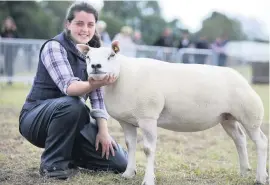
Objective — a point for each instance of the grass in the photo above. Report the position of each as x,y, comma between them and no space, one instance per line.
207,157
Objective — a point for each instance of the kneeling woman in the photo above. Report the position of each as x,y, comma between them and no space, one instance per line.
55,117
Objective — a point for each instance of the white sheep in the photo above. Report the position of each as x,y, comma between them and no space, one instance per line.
180,97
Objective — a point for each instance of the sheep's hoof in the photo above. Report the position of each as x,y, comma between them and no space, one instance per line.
245,172
262,179
145,183
128,174
260,183
149,181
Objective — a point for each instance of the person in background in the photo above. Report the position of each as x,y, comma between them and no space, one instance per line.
128,47
9,30
104,36
55,116
201,44
185,43
166,39
137,37
219,51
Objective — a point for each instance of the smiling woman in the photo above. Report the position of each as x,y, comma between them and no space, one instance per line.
82,27
55,116
81,24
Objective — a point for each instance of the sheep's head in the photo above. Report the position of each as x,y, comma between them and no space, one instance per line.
101,61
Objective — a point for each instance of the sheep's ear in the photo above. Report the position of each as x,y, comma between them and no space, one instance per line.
115,46
83,48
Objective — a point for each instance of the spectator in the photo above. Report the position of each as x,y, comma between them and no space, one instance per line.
128,47
186,43
9,30
104,36
219,52
166,39
201,44
137,38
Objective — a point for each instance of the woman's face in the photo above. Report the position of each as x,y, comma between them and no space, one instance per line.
82,27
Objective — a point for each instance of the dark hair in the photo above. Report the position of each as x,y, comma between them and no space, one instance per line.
86,7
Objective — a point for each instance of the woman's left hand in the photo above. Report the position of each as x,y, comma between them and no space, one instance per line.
107,80
107,143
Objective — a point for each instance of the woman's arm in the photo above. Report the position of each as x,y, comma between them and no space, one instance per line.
79,88
54,58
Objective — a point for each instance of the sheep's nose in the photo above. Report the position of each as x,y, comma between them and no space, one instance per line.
96,66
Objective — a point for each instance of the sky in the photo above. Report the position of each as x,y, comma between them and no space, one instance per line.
192,12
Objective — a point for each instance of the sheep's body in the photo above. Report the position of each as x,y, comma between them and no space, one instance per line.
180,97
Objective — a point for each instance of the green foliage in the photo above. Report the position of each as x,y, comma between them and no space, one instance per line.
152,28
144,16
41,20
220,25
57,10
44,19
113,25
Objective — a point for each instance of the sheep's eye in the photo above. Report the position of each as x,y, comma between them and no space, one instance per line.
111,55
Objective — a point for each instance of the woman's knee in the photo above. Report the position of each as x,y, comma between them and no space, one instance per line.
120,167
120,160
71,110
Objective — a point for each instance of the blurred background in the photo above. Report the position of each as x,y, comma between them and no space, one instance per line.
223,33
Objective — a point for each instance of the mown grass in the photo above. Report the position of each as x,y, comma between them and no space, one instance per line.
200,158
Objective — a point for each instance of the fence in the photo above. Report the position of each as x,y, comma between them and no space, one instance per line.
19,57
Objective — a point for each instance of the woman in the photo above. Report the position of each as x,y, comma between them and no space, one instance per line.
55,116
9,30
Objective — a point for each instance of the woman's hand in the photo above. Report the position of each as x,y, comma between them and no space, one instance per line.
107,143
107,80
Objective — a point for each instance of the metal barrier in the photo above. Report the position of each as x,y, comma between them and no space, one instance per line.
193,55
19,57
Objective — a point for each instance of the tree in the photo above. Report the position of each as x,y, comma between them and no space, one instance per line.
44,19
152,28
38,20
218,24
113,25
144,16
58,10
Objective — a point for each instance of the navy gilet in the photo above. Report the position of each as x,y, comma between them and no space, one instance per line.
44,87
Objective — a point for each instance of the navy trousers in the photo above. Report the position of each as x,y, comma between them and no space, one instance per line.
64,128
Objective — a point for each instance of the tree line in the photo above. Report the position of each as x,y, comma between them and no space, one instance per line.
44,19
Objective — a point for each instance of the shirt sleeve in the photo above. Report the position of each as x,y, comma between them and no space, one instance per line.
54,58
98,105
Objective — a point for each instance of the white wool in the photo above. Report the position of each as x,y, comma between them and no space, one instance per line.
183,97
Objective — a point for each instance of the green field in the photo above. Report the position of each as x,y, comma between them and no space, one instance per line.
200,158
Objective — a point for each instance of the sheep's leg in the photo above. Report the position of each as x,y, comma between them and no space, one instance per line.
149,132
260,140
237,134
130,132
